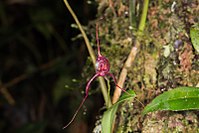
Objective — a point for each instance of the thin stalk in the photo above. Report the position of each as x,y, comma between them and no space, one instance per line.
98,42
90,49
91,53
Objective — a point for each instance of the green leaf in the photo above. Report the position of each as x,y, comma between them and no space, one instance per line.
194,34
108,118
181,98
109,115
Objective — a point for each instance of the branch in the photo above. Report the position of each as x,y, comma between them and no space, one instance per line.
132,54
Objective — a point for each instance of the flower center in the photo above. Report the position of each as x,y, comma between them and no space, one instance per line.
102,65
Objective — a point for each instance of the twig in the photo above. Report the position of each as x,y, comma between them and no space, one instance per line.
14,81
24,76
91,53
132,54
18,79
7,95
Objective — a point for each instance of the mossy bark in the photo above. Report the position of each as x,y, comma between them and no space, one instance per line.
166,59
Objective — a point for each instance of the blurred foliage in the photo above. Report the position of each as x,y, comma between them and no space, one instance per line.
32,128
41,64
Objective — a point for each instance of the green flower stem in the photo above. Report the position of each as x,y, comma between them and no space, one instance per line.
91,53
143,16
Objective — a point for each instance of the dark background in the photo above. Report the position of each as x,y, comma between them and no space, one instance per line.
41,61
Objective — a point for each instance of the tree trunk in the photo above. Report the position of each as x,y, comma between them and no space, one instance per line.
165,59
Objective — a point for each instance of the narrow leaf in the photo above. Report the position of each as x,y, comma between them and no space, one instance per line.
181,98
109,115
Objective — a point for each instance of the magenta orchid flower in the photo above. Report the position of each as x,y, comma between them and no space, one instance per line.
102,69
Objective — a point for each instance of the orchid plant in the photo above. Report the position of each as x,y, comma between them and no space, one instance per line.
102,67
